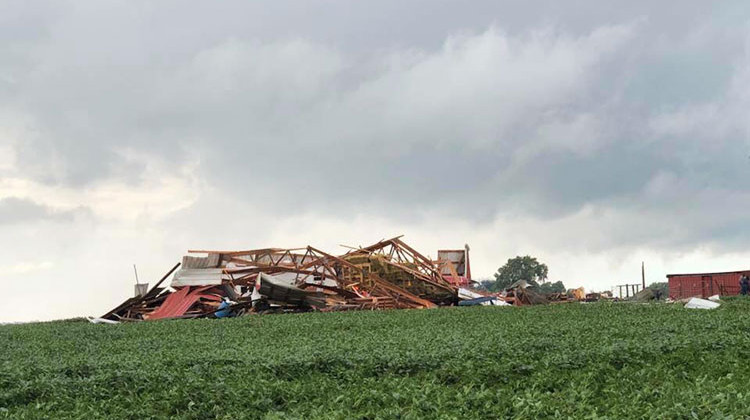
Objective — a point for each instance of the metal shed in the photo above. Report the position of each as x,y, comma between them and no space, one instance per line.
705,284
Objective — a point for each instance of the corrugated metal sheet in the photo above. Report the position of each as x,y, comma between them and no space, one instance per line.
705,284
198,277
281,290
180,302
287,278
211,261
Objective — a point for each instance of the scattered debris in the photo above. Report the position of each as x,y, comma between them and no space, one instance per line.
558,298
645,295
485,301
101,321
698,303
527,296
592,297
577,294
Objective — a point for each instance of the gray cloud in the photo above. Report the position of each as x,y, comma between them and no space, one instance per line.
592,134
17,210
400,108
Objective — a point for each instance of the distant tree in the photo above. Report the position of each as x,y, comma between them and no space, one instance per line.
486,284
661,286
520,268
547,288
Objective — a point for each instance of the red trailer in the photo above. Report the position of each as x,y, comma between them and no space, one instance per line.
705,284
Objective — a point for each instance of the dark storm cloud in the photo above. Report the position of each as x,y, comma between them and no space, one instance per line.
537,108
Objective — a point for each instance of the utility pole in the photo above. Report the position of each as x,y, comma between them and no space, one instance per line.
643,275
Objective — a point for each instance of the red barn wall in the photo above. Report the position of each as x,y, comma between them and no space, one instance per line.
704,284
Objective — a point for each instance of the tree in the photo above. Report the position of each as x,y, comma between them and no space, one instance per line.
486,284
520,268
547,288
662,287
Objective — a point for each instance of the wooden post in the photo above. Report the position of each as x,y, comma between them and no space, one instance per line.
467,270
643,275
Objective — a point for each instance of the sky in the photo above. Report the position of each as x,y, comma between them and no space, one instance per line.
593,135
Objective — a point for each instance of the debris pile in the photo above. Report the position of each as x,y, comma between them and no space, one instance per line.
386,275
698,303
525,296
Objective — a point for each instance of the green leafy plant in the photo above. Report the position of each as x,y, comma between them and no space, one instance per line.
571,360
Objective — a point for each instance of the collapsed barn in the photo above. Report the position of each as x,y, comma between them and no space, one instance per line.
386,275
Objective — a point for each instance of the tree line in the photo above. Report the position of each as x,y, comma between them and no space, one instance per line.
529,269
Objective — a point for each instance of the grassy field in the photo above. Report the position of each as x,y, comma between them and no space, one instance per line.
571,360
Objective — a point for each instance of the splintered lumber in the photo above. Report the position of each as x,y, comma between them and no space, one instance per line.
399,293
386,275
146,299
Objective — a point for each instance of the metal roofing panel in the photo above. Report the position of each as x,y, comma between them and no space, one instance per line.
211,261
198,277
281,291
180,302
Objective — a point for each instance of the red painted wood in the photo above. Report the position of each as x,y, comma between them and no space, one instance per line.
704,284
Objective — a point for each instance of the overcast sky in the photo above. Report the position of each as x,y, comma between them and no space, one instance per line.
591,134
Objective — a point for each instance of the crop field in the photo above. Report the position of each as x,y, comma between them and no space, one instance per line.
570,360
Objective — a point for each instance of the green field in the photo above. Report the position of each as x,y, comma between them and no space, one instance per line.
569,360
